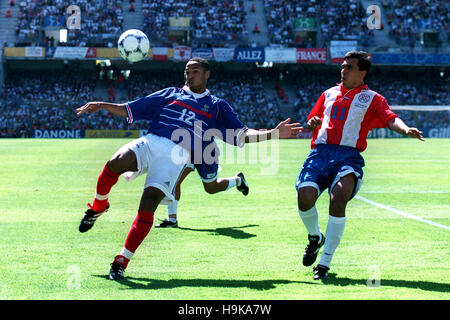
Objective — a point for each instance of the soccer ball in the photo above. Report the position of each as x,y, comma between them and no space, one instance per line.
133,45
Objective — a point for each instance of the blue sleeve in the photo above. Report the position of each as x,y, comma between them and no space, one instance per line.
146,108
228,122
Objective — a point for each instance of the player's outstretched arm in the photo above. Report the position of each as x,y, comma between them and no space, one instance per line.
91,107
399,126
284,129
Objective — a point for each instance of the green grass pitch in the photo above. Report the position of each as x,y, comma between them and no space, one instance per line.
228,246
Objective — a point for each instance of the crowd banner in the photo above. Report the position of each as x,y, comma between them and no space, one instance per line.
411,59
70,52
107,53
280,55
112,133
49,52
203,53
249,55
313,55
160,53
338,49
182,53
223,54
91,53
57,134
34,52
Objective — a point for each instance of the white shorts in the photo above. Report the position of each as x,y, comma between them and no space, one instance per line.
161,158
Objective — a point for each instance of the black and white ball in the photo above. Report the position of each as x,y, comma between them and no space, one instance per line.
133,45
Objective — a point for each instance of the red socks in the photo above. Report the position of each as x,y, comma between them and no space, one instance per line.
139,230
105,181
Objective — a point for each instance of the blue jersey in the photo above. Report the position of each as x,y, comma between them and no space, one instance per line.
179,108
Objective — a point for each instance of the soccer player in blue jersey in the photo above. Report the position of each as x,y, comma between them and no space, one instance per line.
182,123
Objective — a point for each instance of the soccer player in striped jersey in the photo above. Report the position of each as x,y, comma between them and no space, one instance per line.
184,121
340,120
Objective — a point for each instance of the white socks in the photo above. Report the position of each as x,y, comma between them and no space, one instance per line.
172,208
232,182
310,219
126,253
335,229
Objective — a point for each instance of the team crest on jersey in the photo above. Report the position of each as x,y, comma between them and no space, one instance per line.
364,97
205,108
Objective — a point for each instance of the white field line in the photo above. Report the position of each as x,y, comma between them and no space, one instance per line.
402,213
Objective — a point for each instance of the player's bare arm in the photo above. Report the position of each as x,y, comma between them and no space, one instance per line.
91,107
399,126
284,129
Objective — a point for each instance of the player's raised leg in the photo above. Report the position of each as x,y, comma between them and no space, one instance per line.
224,184
306,199
141,226
339,197
124,160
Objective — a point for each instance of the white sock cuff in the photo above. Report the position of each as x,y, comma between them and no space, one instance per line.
126,253
231,183
101,197
337,220
308,213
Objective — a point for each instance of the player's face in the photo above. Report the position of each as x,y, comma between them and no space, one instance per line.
195,76
351,76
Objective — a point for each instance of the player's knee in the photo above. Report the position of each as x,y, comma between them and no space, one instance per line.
151,199
122,162
306,198
210,188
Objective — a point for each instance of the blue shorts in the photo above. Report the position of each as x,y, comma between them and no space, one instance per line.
326,164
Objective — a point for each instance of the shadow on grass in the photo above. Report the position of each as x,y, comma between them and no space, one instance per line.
422,285
155,284
233,232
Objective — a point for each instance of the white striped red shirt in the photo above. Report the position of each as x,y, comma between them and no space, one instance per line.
348,115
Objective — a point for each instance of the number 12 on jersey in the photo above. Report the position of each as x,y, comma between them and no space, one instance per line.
187,116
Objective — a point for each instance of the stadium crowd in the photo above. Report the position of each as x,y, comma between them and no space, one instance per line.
406,16
102,21
213,21
43,101
338,19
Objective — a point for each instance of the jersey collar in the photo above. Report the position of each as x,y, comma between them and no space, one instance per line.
344,90
196,95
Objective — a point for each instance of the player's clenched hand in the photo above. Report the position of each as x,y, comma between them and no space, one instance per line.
415,133
314,122
88,108
287,129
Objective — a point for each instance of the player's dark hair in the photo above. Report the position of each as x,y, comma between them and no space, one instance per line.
203,62
364,62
